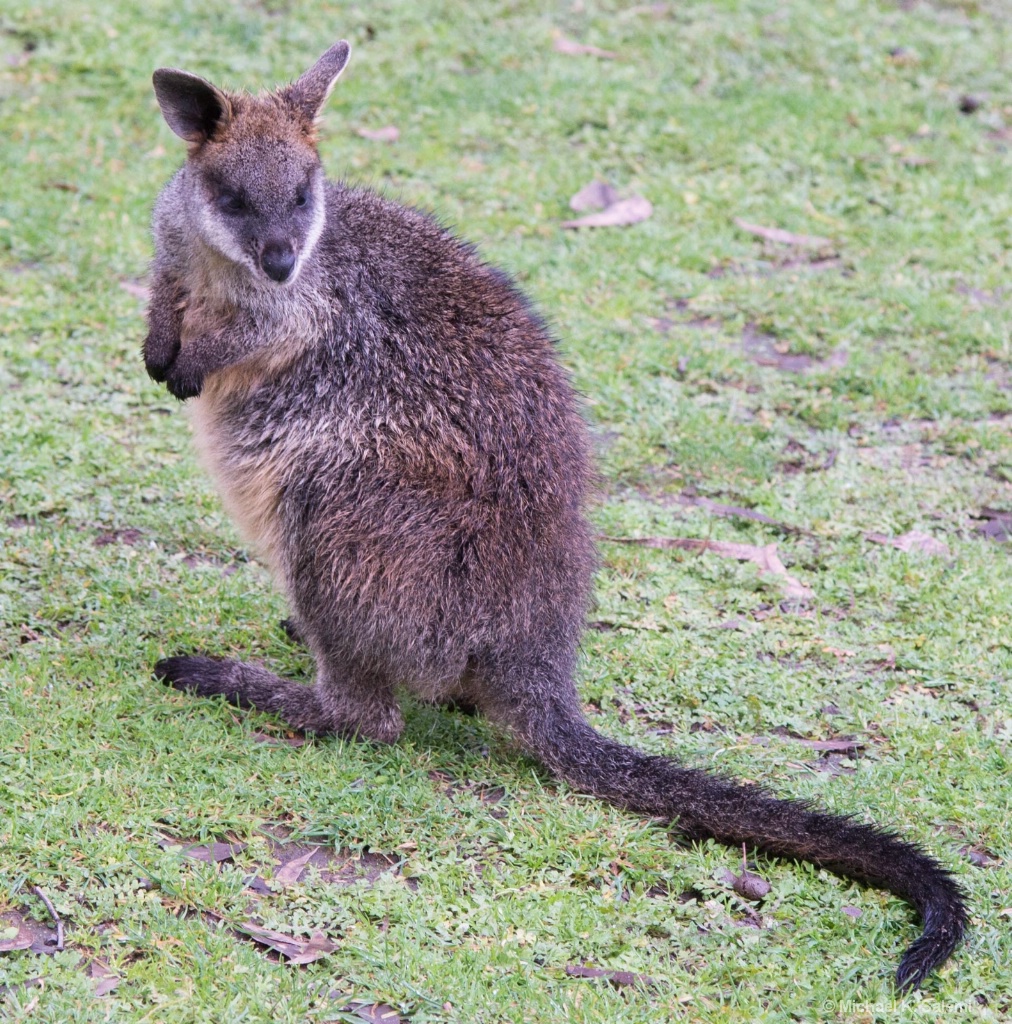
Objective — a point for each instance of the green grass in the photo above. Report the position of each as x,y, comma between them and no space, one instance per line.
794,115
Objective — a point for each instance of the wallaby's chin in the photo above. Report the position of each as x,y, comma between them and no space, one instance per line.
274,283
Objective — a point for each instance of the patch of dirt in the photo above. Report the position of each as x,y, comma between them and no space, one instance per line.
766,350
209,853
335,866
910,457
228,565
832,764
489,795
980,297
679,313
129,536
20,931
800,459
618,979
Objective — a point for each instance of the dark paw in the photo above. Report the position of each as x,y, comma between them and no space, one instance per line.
181,384
159,355
193,673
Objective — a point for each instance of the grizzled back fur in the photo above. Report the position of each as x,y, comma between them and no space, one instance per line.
388,423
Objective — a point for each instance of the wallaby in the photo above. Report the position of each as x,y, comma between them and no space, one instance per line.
388,422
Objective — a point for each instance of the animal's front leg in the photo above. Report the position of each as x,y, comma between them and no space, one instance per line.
165,325
204,350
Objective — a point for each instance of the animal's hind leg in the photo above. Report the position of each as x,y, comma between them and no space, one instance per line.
348,705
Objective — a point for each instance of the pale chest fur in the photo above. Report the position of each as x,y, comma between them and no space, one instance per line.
248,466
250,481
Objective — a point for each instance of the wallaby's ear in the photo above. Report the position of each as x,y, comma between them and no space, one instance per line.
192,107
310,92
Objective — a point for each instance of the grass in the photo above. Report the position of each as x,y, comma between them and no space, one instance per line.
839,120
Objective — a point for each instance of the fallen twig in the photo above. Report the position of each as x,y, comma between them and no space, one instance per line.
54,915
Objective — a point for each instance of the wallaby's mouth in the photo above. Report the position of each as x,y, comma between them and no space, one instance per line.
278,262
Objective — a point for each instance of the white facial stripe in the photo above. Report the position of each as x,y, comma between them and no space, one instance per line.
315,229
217,235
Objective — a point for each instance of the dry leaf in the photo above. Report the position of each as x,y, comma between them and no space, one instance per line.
573,49
14,935
854,912
616,978
625,211
290,872
765,557
386,134
596,196
914,540
784,237
106,978
376,1013
979,857
296,951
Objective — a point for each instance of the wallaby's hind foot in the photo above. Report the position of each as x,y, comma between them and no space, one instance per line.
247,686
321,709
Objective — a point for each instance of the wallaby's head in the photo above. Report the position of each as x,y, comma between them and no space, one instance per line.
259,184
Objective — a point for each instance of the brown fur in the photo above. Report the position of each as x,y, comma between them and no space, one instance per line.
389,424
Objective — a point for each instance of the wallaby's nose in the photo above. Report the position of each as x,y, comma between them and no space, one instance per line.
278,261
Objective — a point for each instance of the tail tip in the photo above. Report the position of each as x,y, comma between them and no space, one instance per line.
931,950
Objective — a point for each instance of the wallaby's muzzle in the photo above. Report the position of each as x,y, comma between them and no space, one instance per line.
278,261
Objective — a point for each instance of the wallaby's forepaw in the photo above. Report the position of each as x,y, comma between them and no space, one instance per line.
194,673
183,384
160,351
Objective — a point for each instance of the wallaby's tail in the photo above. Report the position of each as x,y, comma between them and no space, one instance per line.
709,806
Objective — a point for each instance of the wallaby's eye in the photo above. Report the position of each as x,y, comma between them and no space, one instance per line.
230,203
301,198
